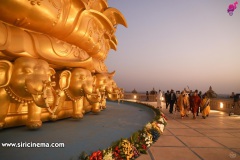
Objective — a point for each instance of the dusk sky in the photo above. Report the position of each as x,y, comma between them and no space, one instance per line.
172,44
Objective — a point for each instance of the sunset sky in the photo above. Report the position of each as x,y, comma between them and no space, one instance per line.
172,44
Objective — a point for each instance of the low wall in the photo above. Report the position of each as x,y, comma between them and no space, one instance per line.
140,97
225,105
220,104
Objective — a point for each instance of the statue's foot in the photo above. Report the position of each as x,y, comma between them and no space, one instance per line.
2,125
96,108
53,117
34,124
87,109
83,112
77,116
103,107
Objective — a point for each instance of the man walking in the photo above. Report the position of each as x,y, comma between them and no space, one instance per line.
167,94
172,100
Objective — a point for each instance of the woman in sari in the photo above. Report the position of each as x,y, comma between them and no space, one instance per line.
183,104
205,106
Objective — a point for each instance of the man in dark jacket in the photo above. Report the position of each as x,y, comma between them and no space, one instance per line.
167,94
172,100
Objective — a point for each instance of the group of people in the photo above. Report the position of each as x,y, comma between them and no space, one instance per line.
185,102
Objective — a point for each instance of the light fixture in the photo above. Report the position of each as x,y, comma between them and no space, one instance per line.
221,104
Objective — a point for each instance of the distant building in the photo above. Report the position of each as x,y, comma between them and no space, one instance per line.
134,91
232,95
210,93
153,92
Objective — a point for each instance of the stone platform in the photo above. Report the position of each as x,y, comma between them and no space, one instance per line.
215,138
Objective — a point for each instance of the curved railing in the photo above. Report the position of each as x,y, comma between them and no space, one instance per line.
135,145
219,104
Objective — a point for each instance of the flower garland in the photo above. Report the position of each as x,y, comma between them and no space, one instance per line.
137,144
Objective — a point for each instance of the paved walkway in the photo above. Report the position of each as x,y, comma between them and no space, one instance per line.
215,138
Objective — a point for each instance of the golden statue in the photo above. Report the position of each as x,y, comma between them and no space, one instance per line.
52,55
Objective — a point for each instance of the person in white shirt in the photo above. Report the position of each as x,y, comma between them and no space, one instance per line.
159,99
